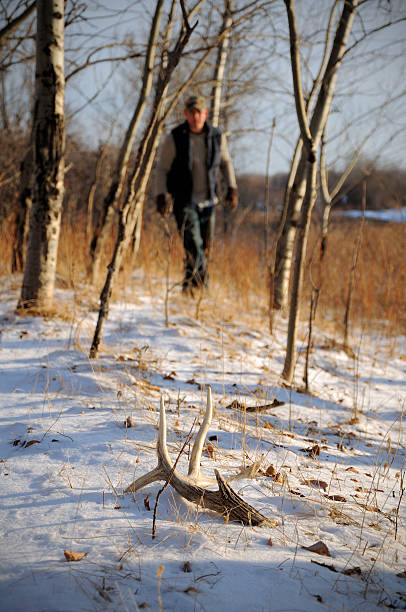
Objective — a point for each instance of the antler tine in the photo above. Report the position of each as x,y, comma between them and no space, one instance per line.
162,447
194,463
223,501
162,452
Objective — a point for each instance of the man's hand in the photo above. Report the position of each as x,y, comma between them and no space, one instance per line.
231,199
164,204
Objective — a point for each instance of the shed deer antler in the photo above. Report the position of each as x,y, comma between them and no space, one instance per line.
224,501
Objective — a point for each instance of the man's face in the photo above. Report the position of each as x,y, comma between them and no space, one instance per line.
196,119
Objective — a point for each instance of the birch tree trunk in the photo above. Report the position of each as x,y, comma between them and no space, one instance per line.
297,187
310,135
49,148
220,66
23,213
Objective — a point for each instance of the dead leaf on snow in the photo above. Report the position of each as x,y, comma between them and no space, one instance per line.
317,484
210,451
352,469
319,548
298,493
31,442
191,589
336,497
313,451
351,571
129,422
170,376
270,471
73,556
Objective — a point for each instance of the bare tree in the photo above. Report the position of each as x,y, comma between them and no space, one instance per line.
310,134
222,51
49,148
14,22
112,200
130,216
323,89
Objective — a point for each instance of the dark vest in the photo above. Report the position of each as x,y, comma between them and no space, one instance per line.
180,180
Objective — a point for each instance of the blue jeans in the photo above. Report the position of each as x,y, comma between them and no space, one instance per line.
196,226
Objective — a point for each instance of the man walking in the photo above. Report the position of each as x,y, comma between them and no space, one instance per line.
187,182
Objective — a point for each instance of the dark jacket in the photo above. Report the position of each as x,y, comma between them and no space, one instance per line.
179,179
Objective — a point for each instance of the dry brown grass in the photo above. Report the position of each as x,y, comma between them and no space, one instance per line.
238,271
379,295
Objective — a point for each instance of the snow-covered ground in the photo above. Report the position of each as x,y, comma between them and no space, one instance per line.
67,455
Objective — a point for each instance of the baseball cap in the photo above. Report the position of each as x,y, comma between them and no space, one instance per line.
197,102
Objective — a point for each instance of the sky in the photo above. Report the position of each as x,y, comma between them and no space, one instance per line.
375,74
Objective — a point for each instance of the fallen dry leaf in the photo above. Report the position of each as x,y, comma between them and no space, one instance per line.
30,443
313,451
129,422
296,493
319,548
210,451
73,556
337,497
352,469
317,484
351,571
276,476
170,376
191,589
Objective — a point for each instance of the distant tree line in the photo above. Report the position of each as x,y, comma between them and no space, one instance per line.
386,187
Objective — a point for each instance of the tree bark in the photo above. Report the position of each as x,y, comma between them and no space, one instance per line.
22,218
49,149
220,66
325,83
310,135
